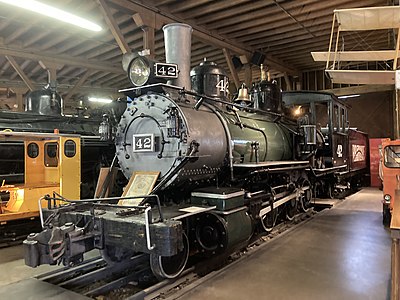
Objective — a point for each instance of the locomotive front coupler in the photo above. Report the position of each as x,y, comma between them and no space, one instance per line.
76,228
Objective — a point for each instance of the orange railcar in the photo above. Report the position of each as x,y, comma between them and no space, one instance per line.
390,175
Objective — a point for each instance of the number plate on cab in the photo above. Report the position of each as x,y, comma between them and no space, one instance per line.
166,70
143,143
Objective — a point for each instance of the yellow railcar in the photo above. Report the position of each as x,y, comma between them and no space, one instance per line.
52,164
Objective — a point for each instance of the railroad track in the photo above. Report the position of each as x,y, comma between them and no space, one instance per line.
190,279
15,231
133,279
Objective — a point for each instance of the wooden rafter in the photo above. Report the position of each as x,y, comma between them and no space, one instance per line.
231,67
59,59
20,72
113,26
77,85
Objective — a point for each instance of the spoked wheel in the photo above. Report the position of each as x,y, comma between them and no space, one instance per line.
268,220
170,266
306,197
113,254
291,208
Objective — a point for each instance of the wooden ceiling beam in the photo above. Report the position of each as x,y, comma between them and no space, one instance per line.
32,54
218,6
20,72
286,32
61,88
113,26
191,4
256,9
119,83
254,25
199,32
23,66
17,33
4,67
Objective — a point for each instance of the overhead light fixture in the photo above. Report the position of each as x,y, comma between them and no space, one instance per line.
348,96
54,13
100,100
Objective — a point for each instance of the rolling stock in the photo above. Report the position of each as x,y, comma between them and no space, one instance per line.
204,173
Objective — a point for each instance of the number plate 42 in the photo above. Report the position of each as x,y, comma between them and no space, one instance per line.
143,143
166,70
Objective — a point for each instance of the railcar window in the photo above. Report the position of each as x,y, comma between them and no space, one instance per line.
336,118
33,150
69,148
392,156
321,112
50,158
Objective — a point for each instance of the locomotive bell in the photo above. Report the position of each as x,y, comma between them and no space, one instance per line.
243,94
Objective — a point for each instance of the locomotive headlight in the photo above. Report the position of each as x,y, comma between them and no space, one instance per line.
297,111
387,198
139,71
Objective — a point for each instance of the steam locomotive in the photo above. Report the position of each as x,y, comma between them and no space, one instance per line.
205,173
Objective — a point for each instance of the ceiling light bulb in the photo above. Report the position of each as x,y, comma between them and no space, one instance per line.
53,12
348,96
100,100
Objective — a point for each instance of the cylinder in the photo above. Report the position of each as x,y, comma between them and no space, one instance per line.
178,43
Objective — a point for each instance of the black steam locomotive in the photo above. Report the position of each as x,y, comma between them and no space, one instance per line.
205,173
43,114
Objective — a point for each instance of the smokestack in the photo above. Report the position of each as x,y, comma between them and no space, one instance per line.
178,44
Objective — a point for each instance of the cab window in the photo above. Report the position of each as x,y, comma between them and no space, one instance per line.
392,156
69,148
33,150
50,157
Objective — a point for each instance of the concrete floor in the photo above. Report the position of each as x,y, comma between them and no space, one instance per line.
343,253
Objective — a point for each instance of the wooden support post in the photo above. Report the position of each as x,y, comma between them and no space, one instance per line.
231,67
299,84
20,72
396,112
113,26
19,94
248,75
288,82
395,62
149,40
52,69
147,22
